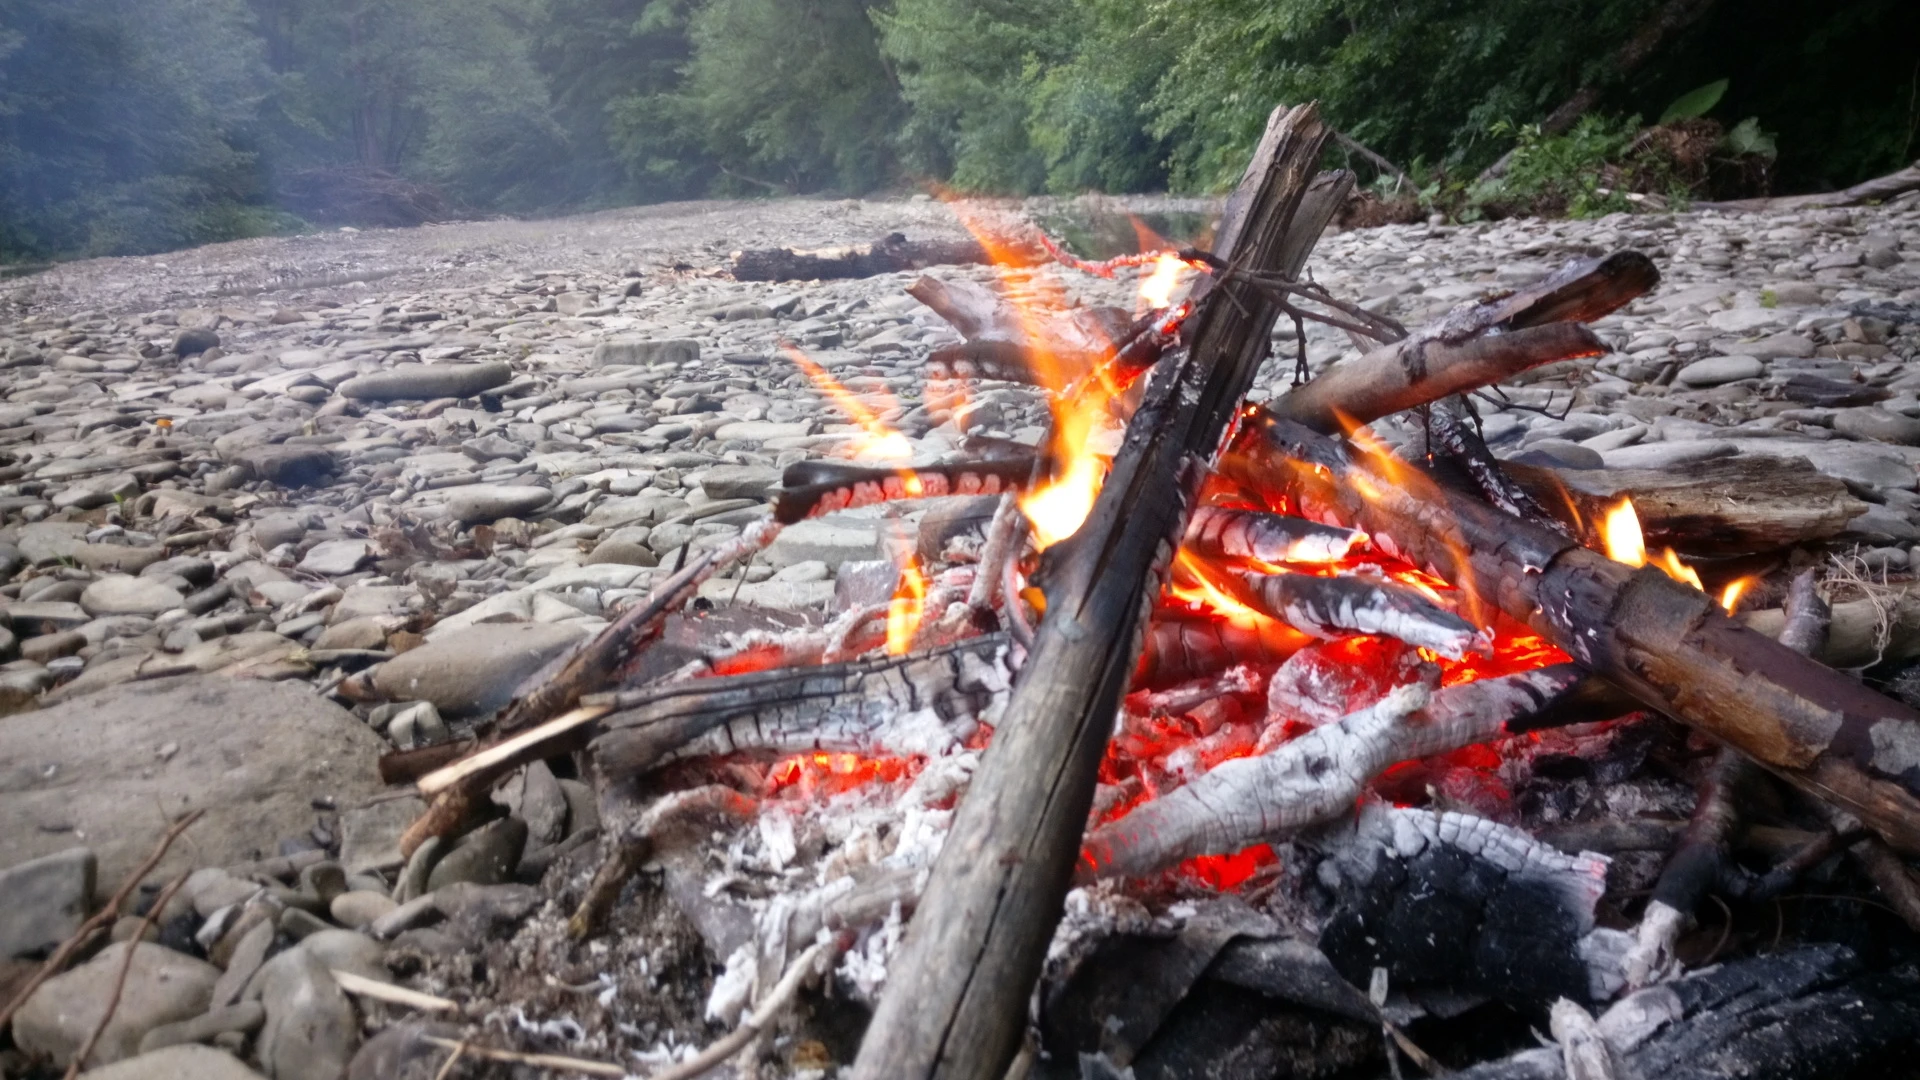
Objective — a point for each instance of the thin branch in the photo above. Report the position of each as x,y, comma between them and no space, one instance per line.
120,977
102,918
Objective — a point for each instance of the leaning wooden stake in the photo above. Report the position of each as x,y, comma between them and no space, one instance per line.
956,1002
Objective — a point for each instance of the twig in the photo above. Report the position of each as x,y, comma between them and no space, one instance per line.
100,919
1003,536
1400,178
361,986
556,1062
736,1040
120,977
446,1068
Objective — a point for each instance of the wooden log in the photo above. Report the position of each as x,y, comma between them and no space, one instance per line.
955,1005
1730,506
1863,632
1452,356
889,255
1663,642
855,707
1878,189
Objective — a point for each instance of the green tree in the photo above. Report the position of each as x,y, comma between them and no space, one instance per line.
126,126
792,93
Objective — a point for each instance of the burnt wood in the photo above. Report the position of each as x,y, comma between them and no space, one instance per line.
1666,644
889,255
956,1003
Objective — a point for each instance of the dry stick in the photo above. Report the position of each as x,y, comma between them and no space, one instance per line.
446,1067
593,667
120,977
1003,537
556,1062
100,918
1665,643
955,1005
761,1018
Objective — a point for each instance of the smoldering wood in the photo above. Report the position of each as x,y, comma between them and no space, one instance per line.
1809,1013
955,1005
1728,506
890,254
1216,531
1665,643
1185,646
1318,775
1337,607
869,707
811,488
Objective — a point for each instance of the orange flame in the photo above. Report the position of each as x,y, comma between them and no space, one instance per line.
1192,584
876,440
1624,542
820,773
1156,288
1731,596
906,608
1056,508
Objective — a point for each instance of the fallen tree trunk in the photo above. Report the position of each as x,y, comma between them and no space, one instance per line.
889,255
1665,643
956,1002
1879,189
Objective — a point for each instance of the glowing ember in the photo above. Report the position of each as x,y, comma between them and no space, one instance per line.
906,608
821,774
876,441
1190,585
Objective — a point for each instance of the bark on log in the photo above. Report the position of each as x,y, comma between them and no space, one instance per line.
1451,356
1863,632
1733,506
1666,644
956,1004
889,255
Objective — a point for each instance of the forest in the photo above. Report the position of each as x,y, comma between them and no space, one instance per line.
131,126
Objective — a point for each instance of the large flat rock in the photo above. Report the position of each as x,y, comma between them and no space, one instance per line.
109,769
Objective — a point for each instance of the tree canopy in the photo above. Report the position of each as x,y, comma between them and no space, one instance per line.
142,125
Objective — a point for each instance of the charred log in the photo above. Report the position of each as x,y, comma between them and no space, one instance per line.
1666,644
1317,776
1217,532
891,254
811,488
924,703
1335,607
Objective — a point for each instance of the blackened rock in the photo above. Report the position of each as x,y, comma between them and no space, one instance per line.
288,466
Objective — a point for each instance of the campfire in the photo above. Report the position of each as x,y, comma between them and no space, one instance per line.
1262,679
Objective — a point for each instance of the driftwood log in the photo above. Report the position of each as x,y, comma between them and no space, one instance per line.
889,255
1665,643
956,1002
1731,506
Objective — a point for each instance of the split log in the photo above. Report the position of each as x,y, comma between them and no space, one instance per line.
1338,607
1220,532
1317,776
1456,353
923,703
956,1003
1731,506
1665,643
1181,647
891,254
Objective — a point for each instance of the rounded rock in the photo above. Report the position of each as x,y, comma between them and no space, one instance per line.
483,504
121,594
1718,370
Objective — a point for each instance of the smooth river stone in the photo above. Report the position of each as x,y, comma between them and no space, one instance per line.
410,381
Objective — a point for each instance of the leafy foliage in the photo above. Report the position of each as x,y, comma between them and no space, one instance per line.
138,125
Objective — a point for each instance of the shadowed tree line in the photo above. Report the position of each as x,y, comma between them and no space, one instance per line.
144,125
